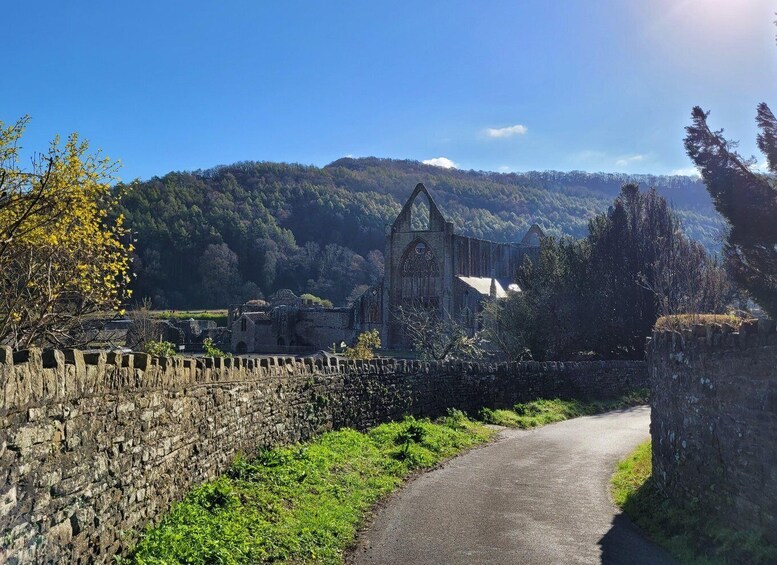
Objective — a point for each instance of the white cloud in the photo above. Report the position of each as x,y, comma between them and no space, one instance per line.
686,172
443,162
509,131
629,160
504,169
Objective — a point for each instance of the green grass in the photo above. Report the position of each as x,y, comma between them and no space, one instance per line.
302,503
631,474
541,412
686,321
683,529
218,316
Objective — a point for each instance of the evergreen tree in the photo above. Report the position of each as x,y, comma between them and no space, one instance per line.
746,199
603,294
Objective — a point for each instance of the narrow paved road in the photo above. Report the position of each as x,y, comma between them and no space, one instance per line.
539,496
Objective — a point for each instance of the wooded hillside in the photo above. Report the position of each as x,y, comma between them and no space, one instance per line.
236,232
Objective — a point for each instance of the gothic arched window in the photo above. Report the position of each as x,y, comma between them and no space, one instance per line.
419,261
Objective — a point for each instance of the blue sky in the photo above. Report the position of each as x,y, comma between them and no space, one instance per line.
604,85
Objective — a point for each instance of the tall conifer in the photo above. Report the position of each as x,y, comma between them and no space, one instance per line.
746,199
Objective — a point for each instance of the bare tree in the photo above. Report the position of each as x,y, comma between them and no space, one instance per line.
437,336
507,325
143,328
685,279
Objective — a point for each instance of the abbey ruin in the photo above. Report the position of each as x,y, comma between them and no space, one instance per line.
427,266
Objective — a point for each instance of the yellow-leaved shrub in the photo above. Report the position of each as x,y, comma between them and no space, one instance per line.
63,256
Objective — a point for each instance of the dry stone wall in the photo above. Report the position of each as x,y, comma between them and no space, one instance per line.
94,446
714,421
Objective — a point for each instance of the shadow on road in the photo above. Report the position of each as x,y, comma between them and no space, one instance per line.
625,544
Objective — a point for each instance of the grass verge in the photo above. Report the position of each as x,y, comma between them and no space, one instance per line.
540,412
301,503
683,529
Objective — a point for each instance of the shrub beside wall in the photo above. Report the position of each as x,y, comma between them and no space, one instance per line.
95,446
714,421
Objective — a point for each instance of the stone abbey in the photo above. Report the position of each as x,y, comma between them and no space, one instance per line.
427,266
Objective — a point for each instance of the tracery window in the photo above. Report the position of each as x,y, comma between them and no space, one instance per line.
419,261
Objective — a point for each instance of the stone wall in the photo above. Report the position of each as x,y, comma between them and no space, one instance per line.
714,421
94,446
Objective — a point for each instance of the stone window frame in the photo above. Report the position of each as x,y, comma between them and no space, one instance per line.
415,264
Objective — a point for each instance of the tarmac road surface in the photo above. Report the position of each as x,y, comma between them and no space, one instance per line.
537,496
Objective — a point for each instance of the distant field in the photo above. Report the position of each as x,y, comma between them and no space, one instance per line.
218,316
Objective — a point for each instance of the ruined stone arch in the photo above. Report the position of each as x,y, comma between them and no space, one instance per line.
422,204
533,237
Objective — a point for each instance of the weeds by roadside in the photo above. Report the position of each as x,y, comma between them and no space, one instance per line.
536,413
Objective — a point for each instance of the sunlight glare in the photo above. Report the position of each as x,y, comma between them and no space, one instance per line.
714,31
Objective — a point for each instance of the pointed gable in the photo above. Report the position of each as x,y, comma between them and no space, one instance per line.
403,223
533,237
